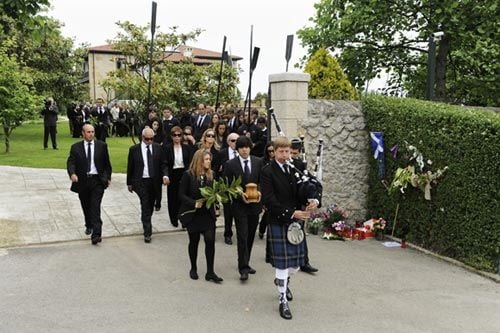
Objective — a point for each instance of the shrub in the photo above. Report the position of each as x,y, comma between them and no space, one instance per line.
462,220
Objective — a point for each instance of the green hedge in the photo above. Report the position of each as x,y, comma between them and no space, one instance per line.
462,220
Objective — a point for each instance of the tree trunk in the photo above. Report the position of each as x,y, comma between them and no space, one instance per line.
7,132
444,47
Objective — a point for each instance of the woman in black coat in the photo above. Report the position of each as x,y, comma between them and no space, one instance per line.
178,159
195,216
268,157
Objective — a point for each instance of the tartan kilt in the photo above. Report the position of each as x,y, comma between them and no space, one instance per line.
279,251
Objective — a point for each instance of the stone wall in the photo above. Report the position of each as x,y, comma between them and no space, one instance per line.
342,127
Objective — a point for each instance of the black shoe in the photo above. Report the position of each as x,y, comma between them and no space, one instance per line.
147,239
175,224
88,231
193,275
261,235
213,277
56,148
228,240
96,240
307,268
285,310
244,276
252,271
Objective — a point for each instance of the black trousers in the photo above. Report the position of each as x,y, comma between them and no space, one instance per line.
228,221
246,225
90,197
145,189
49,130
101,131
158,194
194,240
173,200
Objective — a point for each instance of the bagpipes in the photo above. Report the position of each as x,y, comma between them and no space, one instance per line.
308,185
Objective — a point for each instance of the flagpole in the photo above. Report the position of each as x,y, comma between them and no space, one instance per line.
220,73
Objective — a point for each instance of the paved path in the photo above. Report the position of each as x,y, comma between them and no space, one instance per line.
126,285
38,207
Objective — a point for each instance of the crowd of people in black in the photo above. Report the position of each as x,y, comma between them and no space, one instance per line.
187,152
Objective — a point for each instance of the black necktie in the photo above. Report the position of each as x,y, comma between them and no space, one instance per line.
287,171
246,170
89,157
150,161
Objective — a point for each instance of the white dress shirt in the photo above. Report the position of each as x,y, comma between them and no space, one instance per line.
93,169
145,171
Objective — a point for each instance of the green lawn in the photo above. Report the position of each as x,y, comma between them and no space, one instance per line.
26,148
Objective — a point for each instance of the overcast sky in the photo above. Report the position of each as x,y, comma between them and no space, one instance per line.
93,21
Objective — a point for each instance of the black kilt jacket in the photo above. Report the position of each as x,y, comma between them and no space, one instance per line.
279,195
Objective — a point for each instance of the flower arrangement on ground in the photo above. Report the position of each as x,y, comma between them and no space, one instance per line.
332,221
378,228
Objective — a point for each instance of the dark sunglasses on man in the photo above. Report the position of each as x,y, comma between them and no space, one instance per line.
176,135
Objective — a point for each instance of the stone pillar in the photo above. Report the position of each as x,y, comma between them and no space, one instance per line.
290,102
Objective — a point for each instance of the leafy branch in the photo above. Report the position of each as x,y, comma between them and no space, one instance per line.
221,191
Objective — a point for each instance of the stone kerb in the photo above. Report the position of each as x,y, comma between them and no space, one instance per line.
342,127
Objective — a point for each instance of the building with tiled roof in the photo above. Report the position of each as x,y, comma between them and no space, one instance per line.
104,59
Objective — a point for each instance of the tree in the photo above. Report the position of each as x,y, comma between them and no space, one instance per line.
18,99
174,84
328,81
371,36
35,61
55,67
259,97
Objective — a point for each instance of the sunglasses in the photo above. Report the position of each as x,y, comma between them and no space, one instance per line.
210,135
148,139
177,135
186,133
234,140
270,151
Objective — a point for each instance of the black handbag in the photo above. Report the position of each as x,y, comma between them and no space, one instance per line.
186,217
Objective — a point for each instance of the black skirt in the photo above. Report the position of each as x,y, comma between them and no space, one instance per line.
202,221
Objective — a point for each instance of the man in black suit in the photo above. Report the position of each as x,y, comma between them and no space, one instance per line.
49,114
246,214
279,194
232,123
103,119
225,155
89,169
168,122
201,122
260,138
146,168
